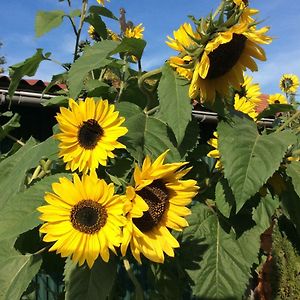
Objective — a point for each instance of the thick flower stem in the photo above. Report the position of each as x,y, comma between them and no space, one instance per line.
139,295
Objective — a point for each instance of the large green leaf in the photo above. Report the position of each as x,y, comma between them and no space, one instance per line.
20,213
131,46
293,170
146,135
90,284
47,20
16,271
175,104
96,21
249,158
28,67
13,169
93,57
224,270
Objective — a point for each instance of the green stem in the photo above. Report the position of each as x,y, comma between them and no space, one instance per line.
82,17
58,63
73,25
15,140
141,81
139,295
151,111
122,84
220,7
288,121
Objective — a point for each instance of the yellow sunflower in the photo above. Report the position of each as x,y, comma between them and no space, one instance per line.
89,133
245,106
135,31
277,99
224,60
112,35
156,202
93,34
83,218
249,90
215,153
289,83
102,2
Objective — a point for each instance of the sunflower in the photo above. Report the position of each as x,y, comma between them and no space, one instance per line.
215,153
247,107
277,99
83,217
102,1
93,34
112,35
249,90
225,58
156,202
134,32
289,83
89,133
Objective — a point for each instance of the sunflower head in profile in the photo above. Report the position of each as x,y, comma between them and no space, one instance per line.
83,218
216,59
111,35
215,153
156,202
89,133
289,83
277,99
93,33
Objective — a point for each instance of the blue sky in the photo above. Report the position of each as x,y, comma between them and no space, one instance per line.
160,18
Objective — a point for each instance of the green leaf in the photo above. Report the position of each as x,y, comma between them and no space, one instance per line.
290,202
13,169
146,135
131,46
10,125
224,270
90,284
249,158
273,109
16,271
20,213
175,104
56,101
293,171
224,197
75,13
263,213
55,80
93,57
98,24
28,67
47,20
102,11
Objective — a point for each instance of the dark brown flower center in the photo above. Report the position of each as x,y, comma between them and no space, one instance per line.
277,101
89,134
156,195
88,216
242,92
226,56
